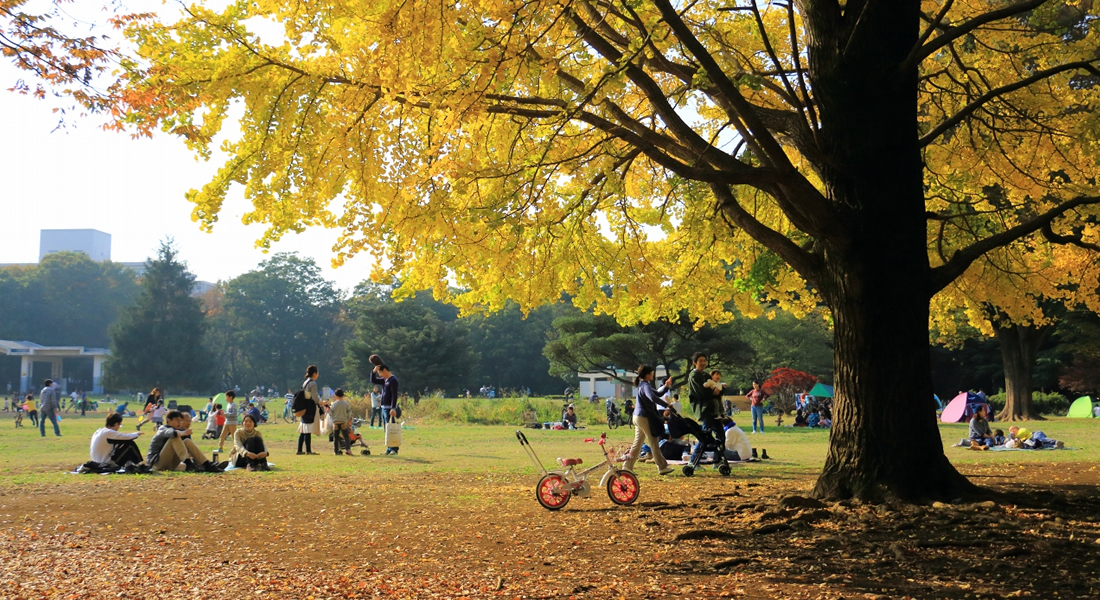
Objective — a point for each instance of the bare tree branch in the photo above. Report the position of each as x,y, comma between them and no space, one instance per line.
806,264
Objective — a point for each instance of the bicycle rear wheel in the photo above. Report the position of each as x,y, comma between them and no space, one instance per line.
552,492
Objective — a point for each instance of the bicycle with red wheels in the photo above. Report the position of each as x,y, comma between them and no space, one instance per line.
556,488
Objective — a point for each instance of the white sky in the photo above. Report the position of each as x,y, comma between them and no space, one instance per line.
86,178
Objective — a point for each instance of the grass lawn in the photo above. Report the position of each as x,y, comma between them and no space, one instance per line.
454,516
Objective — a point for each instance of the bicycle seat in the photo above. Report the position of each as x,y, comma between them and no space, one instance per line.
569,462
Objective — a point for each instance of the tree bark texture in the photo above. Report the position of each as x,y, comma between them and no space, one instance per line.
1019,350
885,441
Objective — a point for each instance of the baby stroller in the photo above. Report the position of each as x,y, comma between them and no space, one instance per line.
354,437
614,416
679,426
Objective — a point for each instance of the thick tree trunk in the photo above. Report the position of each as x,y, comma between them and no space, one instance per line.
885,441
1019,350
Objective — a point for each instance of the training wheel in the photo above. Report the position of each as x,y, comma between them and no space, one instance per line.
725,470
688,470
365,452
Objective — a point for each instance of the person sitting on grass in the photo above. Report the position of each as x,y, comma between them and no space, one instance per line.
569,420
249,450
172,449
814,419
737,443
800,419
110,445
981,436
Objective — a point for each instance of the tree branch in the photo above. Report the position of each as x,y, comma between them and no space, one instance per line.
1071,240
997,92
959,31
810,210
962,259
808,265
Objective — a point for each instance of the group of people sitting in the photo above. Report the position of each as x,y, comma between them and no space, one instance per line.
171,448
982,437
812,418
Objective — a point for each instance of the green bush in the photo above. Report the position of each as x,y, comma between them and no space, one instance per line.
499,411
1046,403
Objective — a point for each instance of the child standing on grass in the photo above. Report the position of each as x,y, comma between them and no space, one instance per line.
341,423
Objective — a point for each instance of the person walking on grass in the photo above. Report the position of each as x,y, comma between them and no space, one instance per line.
231,413
646,419
32,410
48,405
341,424
308,411
376,406
706,402
150,404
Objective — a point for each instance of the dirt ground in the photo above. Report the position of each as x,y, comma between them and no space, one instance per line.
267,535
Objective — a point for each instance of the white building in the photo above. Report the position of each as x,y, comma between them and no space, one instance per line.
607,386
31,353
94,243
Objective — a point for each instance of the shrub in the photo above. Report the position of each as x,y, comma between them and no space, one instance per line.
500,411
1046,403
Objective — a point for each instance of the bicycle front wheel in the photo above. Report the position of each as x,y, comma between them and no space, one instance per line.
623,488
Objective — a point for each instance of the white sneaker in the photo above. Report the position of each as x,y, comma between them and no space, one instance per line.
666,470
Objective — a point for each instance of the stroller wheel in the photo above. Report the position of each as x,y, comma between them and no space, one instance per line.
365,452
724,470
688,470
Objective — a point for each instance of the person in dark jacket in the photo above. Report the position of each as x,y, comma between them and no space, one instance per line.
707,404
646,419
381,376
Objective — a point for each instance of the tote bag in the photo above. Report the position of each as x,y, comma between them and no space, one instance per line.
393,435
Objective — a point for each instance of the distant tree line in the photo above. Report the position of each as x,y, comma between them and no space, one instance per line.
265,326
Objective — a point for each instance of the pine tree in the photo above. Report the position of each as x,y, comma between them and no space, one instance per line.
159,341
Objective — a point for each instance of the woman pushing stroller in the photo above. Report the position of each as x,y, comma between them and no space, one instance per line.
646,419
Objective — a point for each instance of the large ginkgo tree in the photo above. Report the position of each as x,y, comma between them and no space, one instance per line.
649,156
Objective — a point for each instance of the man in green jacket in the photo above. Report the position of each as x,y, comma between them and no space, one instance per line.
707,405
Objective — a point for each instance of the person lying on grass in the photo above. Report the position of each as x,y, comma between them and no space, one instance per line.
1020,437
249,451
172,449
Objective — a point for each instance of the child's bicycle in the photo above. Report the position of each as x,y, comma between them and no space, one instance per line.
555,488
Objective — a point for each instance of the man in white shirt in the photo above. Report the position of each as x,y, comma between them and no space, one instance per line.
110,445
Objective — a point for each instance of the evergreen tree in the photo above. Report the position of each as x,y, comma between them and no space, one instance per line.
160,340
420,339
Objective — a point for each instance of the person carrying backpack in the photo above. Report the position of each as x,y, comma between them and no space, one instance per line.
305,405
